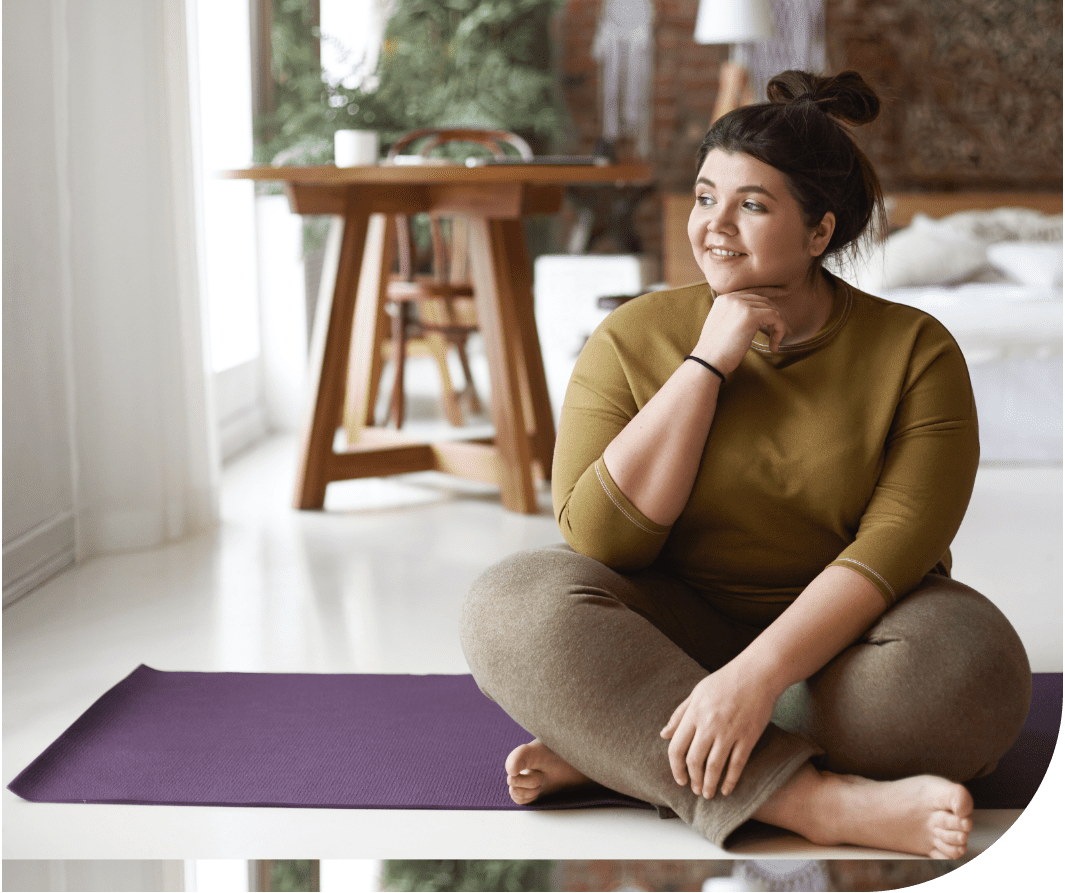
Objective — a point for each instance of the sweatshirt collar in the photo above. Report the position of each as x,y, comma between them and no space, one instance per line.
842,300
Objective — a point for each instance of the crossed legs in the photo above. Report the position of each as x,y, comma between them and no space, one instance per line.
593,662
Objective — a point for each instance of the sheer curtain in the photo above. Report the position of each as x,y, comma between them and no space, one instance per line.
145,456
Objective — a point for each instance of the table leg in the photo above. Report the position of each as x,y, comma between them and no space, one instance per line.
539,420
330,349
371,325
494,252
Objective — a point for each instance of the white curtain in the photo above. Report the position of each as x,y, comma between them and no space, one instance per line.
145,452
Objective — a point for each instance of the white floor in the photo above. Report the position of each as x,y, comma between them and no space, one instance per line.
374,584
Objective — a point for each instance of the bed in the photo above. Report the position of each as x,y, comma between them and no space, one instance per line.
989,267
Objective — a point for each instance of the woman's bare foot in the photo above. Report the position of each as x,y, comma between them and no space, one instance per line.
924,815
534,769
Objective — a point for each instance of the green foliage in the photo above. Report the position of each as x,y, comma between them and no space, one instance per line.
474,62
459,874
479,63
292,876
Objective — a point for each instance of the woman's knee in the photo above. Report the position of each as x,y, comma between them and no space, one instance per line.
515,591
940,684
516,608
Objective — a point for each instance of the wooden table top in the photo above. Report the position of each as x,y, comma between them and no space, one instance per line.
406,174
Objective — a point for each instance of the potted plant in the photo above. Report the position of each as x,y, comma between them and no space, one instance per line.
478,63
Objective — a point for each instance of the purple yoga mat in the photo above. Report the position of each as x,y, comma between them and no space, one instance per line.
354,741
1020,771
289,739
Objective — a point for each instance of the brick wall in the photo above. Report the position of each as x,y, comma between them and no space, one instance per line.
684,90
972,91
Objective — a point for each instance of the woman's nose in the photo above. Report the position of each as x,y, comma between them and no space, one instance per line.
721,220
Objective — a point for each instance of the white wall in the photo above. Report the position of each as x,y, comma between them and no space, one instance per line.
38,468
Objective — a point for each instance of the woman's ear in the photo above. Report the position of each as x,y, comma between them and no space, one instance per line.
822,234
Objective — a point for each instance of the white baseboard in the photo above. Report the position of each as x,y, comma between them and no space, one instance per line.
38,555
240,431
240,415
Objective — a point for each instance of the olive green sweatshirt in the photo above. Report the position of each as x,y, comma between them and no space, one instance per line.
857,447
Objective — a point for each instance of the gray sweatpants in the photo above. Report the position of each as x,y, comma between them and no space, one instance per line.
593,663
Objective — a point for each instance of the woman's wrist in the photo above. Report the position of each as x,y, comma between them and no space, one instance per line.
715,356
708,366
766,672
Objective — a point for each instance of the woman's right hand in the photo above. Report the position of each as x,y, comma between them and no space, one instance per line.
733,321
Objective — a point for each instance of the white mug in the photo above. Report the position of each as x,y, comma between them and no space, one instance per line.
354,147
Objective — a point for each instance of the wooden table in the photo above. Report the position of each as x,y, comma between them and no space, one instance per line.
493,198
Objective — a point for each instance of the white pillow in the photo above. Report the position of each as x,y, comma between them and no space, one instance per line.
1030,263
1006,224
924,253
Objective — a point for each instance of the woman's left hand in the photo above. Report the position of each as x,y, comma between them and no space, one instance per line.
716,727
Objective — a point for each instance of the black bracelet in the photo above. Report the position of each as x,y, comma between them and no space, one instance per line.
716,371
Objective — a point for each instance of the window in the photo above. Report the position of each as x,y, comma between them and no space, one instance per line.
222,68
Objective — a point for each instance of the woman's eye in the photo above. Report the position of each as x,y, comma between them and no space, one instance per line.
753,206
704,200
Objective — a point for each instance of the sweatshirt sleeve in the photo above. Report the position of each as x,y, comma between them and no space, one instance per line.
595,518
930,462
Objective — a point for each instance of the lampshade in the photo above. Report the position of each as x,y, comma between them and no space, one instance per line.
733,21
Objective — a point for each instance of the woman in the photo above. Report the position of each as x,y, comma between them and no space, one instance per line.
758,479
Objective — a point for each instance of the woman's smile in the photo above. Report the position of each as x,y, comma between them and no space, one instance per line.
724,253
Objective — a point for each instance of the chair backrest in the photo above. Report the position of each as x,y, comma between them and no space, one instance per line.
495,141
450,261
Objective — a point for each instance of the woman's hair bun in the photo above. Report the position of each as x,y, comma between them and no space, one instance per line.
845,96
801,133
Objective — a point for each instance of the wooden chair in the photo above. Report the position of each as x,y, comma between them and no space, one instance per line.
437,307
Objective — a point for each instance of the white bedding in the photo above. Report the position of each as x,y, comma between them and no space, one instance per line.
1011,336
994,279
993,321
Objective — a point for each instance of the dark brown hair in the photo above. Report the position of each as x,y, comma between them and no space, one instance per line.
801,133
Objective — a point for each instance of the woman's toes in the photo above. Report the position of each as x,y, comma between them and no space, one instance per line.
950,838
529,780
519,758
525,788
961,803
534,770
950,822
949,853
522,796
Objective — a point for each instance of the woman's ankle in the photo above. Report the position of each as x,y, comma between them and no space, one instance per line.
798,804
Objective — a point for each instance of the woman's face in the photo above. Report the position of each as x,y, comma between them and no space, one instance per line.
746,228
